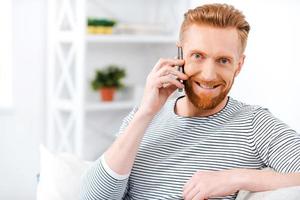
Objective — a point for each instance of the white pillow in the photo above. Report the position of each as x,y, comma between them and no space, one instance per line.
59,175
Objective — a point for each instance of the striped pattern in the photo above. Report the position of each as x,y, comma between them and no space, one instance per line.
175,147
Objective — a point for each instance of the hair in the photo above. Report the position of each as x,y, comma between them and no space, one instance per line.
217,15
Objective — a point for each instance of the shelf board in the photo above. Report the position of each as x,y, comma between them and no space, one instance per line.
66,105
115,105
117,38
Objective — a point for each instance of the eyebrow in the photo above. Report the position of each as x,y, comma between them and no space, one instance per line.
220,55
197,51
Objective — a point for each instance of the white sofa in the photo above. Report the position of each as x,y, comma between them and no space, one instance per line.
60,179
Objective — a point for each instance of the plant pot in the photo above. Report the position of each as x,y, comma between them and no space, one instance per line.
107,94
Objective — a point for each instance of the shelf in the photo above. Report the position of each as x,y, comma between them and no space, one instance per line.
130,38
115,105
66,105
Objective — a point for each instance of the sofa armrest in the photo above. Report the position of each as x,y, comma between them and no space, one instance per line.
290,193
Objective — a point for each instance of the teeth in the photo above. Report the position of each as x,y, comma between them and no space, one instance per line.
205,86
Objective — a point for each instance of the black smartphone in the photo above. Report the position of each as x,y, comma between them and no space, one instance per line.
180,68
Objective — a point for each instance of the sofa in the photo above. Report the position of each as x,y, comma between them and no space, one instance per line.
60,180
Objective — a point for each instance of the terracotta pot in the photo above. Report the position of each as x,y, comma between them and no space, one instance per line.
107,94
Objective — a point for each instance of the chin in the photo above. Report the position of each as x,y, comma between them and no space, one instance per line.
206,102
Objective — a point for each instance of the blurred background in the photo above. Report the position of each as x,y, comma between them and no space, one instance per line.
51,51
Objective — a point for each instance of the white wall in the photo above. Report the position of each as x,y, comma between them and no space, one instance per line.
271,72
20,129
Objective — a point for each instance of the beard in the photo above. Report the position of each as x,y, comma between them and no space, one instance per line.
207,102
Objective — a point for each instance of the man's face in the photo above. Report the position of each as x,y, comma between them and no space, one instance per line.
212,60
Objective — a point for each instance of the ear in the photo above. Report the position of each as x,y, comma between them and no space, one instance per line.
240,65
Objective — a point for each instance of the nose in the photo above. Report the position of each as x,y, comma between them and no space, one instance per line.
208,71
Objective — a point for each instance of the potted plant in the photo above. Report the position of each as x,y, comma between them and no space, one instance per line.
107,81
101,25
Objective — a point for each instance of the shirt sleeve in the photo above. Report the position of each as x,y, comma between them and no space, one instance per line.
277,145
100,182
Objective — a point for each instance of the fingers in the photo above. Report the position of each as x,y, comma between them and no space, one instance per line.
198,196
188,187
172,71
167,62
165,81
193,192
168,75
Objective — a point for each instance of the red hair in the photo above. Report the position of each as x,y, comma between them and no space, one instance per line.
220,16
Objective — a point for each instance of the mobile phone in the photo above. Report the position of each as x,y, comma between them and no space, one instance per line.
180,68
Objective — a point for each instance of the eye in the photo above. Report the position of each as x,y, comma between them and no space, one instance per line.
197,56
223,61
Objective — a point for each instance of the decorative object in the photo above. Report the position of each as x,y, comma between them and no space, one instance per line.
108,80
100,26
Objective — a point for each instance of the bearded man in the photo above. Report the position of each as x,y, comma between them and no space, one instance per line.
204,144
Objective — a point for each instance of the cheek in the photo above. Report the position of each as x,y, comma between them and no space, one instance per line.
190,68
229,77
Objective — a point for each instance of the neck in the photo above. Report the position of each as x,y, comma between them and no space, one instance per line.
184,107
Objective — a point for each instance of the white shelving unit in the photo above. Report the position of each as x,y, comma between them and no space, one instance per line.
67,104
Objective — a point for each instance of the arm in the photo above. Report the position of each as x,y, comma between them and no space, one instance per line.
107,178
275,144
261,180
121,155
207,184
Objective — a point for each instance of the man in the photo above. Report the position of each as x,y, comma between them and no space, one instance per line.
204,145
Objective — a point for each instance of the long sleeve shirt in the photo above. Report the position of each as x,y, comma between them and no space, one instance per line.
175,147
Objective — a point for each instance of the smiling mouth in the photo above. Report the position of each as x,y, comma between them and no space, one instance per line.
205,86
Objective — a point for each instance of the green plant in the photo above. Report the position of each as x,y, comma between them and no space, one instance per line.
101,22
110,76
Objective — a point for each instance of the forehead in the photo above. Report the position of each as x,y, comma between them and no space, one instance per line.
211,40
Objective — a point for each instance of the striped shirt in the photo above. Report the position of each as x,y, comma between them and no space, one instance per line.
175,147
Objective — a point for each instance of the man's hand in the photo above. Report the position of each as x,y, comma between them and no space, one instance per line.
161,83
207,184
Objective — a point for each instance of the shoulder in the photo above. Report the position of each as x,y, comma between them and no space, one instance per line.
240,109
259,117
256,116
